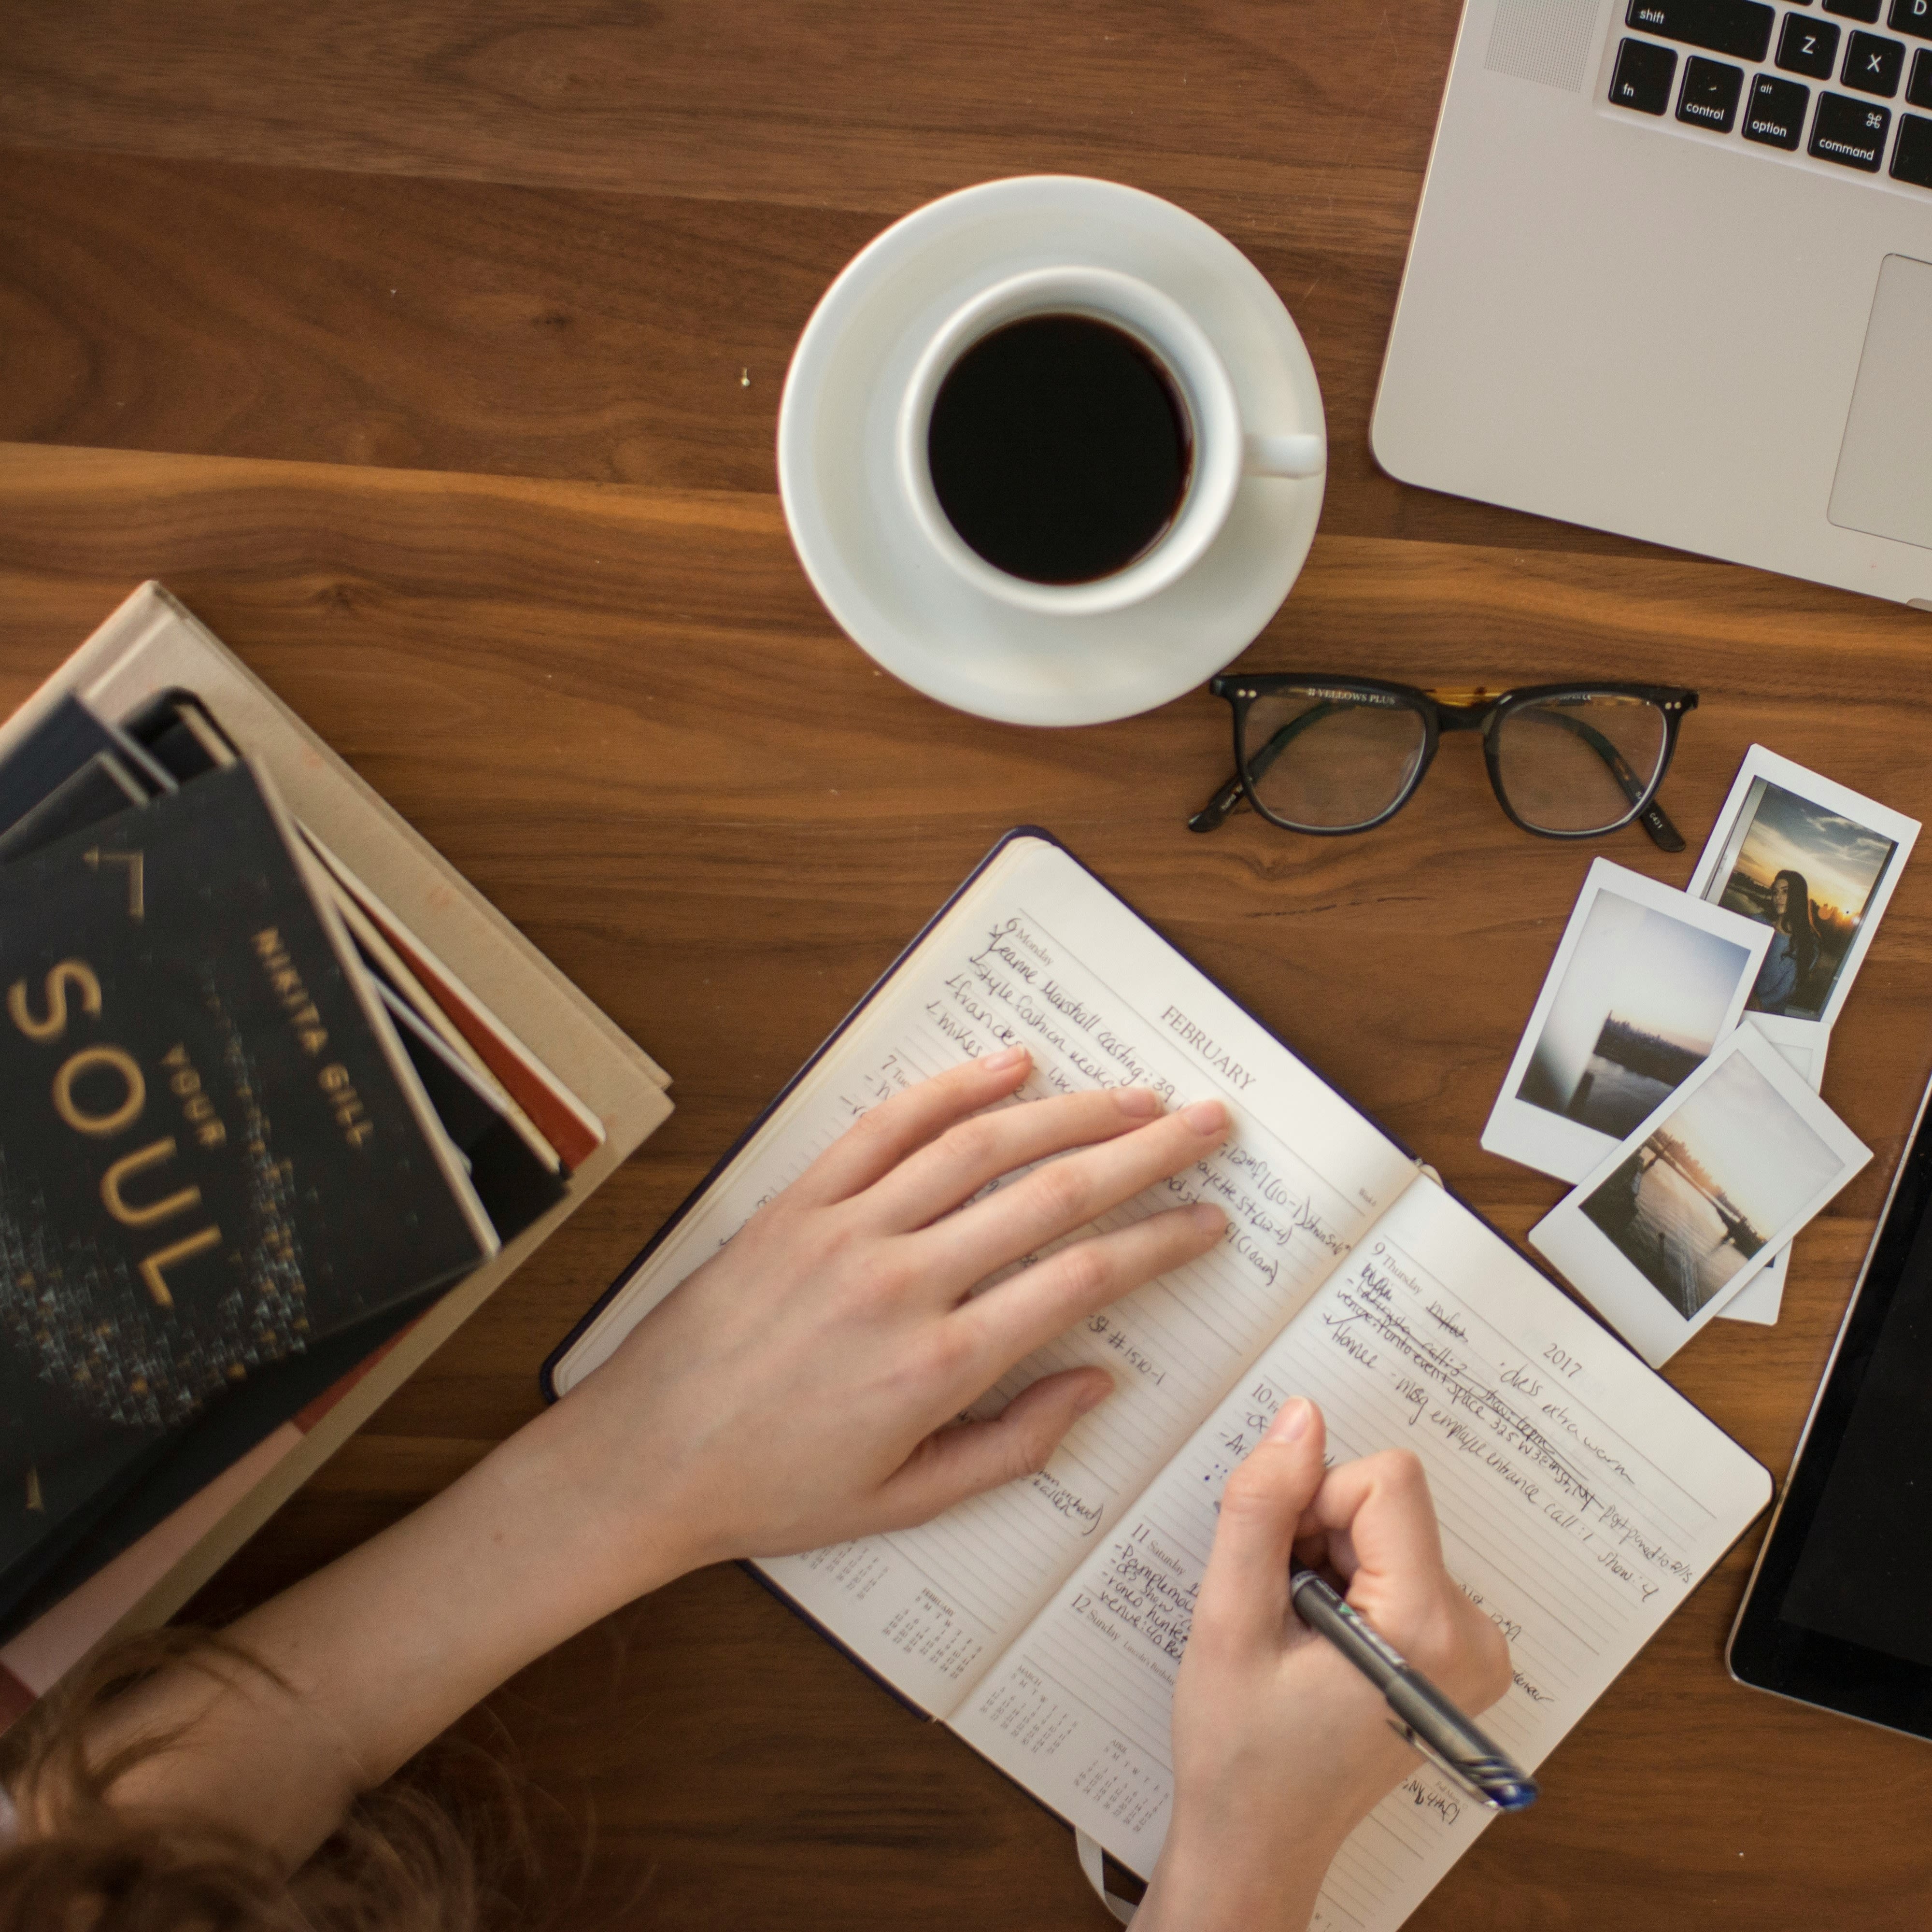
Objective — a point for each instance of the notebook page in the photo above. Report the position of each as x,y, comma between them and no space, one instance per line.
1039,953
1581,1500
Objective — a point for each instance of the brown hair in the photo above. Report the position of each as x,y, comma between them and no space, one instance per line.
406,1859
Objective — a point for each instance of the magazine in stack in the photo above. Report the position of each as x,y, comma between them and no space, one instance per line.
256,1124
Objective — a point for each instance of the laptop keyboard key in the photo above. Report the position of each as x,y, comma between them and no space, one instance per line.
1918,89
1739,27
1911,16
1776,114
1873,64
1911,160
1642,78
1854,10
1710,96
1808,46
1851,132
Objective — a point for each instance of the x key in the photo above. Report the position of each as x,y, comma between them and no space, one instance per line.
1873,64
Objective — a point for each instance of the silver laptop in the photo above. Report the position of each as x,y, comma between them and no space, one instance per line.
1672,277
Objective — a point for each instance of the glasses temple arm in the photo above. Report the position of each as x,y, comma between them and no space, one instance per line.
1653,818
1215,812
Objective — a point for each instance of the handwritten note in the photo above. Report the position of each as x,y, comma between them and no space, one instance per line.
1580,1500
1038,954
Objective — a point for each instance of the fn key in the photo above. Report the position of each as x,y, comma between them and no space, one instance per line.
1642,78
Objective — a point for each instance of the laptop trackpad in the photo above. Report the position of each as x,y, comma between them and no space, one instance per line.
1884,486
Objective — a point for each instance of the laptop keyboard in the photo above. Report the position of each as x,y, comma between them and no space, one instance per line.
1833,80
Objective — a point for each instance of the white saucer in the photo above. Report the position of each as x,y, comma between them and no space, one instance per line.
880,575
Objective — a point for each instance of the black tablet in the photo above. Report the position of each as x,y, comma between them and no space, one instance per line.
1839,1610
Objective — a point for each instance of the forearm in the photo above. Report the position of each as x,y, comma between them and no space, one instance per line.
1245,1855
799,1388
1193,1890
384,1648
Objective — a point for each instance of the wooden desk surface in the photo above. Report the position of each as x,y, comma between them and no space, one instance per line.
432,352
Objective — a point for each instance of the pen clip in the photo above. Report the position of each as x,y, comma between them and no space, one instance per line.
1505,1789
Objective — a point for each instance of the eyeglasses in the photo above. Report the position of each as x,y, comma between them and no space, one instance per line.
1333,754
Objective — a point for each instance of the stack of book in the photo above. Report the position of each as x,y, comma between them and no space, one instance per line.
268,1133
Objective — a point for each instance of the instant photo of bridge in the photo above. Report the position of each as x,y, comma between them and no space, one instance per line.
1702,1196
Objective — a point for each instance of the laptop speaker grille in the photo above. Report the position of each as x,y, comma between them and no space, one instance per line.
1547,40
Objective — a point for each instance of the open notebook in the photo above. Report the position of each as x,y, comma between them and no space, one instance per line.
1581,1498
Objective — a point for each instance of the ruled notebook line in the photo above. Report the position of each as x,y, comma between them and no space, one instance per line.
1579,1499
1300,1177
1578,1555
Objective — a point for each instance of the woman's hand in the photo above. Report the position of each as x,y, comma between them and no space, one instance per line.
1281,1746
797,1389
793,1390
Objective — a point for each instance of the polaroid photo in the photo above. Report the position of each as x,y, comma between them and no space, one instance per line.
1645,983
1699,1199
1761,1299
1817,864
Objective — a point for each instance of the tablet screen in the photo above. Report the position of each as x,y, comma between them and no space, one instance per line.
1840,1611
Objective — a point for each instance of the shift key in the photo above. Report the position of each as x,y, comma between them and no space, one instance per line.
1739,27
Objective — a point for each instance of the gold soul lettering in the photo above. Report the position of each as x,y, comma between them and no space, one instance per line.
133,1097
153,1268
70,972
74,986
130,1215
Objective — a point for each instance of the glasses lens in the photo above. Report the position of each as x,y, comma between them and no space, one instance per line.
1328,759
1579,763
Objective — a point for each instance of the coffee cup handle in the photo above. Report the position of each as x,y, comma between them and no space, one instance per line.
1302,455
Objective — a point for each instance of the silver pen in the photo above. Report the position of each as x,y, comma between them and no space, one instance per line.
1424,1717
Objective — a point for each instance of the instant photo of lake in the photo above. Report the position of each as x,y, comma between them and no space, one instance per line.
1643,1000
1629,1075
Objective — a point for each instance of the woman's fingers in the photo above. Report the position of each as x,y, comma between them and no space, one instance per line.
1244,1598
1384,1541
877,1141
1026,1311
1379,1517
1061,1195
953,1464
953,1167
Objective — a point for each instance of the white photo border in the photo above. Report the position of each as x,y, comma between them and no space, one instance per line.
1762,1301
1591,1262
1760,762
1521,1131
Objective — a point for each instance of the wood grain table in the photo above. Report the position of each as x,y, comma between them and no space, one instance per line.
431,350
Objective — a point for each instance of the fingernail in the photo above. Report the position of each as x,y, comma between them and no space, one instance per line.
1007,1057
1205,1117
1208,1218
1291,1420
1096,1394
1142,1101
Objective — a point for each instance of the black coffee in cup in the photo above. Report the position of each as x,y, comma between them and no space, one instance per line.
1058,448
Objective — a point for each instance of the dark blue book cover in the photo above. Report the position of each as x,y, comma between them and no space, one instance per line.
213,1152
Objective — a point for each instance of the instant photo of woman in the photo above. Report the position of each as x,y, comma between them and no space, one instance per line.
1814,862
1784,982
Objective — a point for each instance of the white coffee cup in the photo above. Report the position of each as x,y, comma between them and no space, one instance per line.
1223,450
